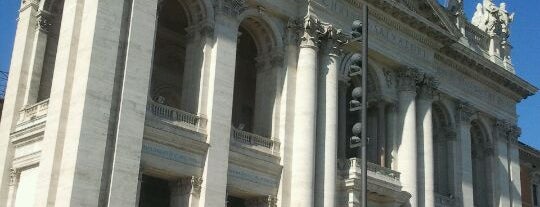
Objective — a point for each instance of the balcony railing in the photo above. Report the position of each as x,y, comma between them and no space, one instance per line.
477,37
255,141
371,167
33,112
176,117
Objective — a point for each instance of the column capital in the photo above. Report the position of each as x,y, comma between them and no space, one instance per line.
334,40
14,176
43,21
465,112
231,8
427,87
312,29
507,131
187,185
407,79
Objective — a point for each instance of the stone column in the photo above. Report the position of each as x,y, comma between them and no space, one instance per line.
132,114
15,90
263,201
381,132
465,179
303,158
185,192
425,136
219,103
327,119
407,146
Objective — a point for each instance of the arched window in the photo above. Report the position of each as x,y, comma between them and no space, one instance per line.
479,146
443,134
255,82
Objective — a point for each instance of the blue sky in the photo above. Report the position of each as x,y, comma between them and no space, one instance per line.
525,38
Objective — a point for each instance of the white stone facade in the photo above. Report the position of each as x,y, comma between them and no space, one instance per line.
213,103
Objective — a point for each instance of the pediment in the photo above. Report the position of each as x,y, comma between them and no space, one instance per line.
433,12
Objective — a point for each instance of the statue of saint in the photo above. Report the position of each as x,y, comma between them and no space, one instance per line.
506,18
478,17
456,7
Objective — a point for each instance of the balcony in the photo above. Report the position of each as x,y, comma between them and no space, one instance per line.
254,141
32,115
383,183
176,117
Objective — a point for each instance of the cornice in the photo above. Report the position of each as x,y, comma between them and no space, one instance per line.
506,79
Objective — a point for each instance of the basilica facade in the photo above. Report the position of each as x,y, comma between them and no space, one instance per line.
245,103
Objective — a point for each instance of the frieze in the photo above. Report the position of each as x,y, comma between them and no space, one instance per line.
170,153
472,89
399,41
248,175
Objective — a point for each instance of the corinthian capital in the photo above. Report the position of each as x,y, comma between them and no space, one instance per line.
427,87
231,8
465,112
312,29
334,39
407,79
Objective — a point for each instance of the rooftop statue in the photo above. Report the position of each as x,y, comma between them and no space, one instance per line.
456,7
492,19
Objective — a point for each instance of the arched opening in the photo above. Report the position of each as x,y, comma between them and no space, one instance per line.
479,143
169,55
255,80
245,82
443,134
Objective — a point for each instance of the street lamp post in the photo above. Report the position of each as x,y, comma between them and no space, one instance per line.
359,96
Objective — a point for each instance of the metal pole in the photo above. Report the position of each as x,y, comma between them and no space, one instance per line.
364,103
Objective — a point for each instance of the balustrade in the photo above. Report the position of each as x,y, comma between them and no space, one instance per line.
477,37
176,116
33,112
372,167
255,141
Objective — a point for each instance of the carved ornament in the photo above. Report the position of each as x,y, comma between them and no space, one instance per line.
407,79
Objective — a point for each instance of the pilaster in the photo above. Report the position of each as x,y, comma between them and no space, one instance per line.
219,93
465,178
132,110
